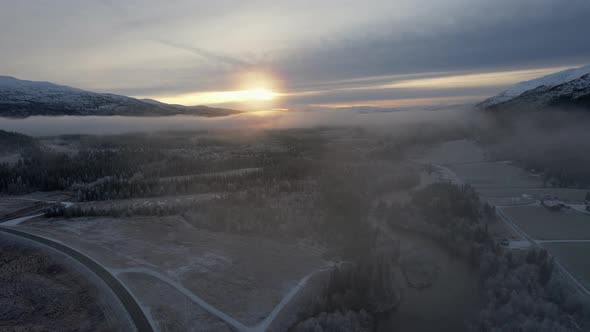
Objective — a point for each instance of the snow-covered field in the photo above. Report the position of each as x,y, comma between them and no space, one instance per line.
244,277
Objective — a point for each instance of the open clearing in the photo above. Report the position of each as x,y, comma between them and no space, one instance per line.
566,195
495,175
543,224
243,276
170,310
454,152
574,256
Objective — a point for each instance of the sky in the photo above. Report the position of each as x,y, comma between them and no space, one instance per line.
283,54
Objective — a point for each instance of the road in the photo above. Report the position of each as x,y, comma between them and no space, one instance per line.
451,176
19,220
133,308
130,303
234,323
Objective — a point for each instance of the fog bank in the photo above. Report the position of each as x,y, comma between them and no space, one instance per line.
110,125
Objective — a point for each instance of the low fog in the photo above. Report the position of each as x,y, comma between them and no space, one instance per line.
552,141
99,125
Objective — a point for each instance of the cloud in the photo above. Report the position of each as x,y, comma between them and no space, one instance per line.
332,49
204,53
484,37
125,14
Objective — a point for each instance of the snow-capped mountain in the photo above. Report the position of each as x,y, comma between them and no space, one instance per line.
570,87
20,98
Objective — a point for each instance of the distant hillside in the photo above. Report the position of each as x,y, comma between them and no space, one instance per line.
19,98
567,89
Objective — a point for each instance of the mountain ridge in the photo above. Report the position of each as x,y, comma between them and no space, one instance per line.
23,98
568,88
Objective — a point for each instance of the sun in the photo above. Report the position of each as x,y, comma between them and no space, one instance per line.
260,94
255,88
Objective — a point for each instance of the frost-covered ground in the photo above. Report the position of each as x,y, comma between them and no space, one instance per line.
42,290
244,277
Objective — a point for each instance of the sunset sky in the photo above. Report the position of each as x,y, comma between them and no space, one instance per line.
294,53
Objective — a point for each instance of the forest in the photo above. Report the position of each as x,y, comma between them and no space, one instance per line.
304,184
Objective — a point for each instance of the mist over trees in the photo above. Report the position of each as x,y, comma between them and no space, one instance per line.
551,143
12,142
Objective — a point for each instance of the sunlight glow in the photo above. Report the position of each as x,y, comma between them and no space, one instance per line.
474,80
221,97
254,88
405,102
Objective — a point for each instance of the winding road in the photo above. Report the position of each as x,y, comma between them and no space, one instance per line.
134,309
129,302
234,323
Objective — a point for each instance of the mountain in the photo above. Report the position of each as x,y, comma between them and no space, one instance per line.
568,88
20,98
199,110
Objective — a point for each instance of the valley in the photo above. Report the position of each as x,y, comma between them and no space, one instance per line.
233,231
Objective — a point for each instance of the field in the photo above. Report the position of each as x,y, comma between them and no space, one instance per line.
567,195
543,224
574,256
453,152
517,193
243,276
171,310
495,175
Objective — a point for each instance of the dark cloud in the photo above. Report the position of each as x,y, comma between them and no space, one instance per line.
513,34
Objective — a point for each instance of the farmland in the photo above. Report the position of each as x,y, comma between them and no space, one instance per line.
543,224
517,193
243,276
574,256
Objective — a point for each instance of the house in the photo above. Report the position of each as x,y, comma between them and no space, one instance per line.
552,203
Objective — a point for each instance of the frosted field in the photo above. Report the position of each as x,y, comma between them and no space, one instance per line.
453,152
566,195
543,224
574,256
242,276
8,206
170,310
495,175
